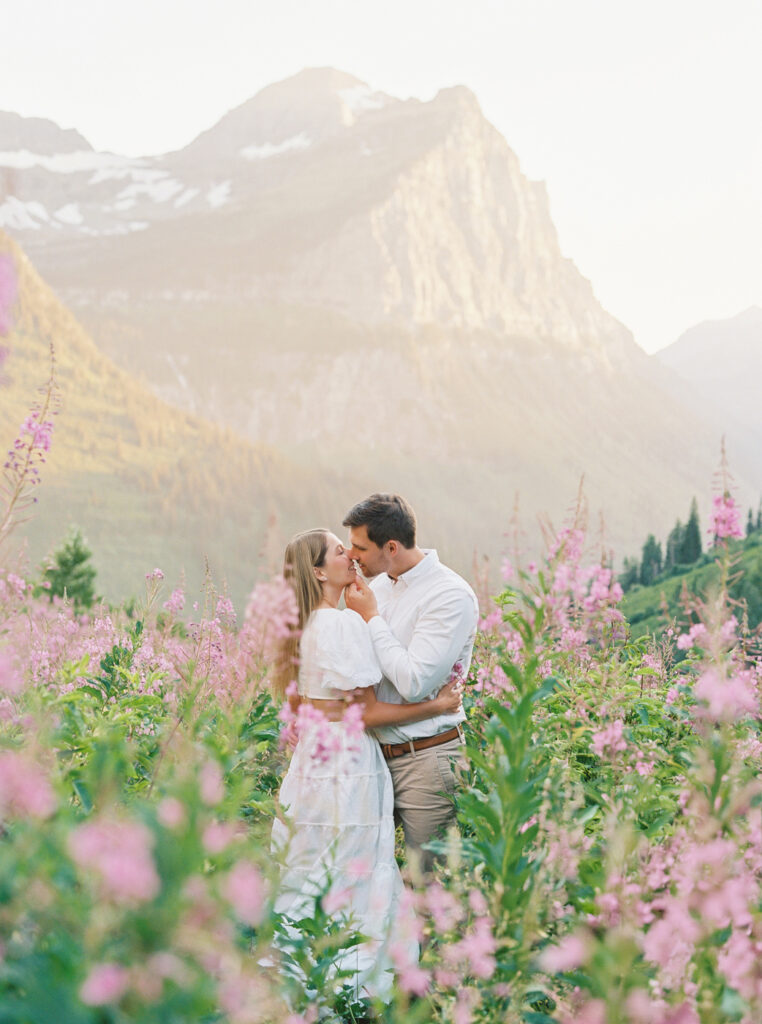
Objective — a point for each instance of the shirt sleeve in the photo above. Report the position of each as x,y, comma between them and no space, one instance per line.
441,632
344,652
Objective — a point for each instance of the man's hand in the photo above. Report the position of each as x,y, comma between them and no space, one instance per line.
361,599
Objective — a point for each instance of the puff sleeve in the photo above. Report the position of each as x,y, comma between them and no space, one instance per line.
343,652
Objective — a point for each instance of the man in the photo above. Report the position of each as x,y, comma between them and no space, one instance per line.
422,618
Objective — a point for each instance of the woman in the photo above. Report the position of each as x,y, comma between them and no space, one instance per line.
338,824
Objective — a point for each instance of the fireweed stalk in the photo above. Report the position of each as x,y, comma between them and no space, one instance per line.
21,469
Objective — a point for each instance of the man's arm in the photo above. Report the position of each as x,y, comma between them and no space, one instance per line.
439,636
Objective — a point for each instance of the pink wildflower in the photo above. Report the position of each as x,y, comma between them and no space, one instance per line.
477,902
694,635
475,951
120,853
211,783
570,953
610,739
106,983
271,615
414,979
728,630
308,1017
727,699
725,517
171,812
359,867
336,899
41,432
445,909
593,1011
491,621
465,1003
217,836
11,679
244,889
176,602
739,960
24,787
353,720
670,941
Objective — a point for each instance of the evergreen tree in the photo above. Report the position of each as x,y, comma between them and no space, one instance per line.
750,523
651,561
690,550
70,573
674,545
759,516
630,574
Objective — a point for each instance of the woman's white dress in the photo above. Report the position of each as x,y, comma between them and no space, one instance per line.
338,827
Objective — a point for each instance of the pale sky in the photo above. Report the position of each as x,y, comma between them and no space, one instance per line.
641,117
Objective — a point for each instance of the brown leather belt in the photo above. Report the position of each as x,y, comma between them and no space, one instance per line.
391,750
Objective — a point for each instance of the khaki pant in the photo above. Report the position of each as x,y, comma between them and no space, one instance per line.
424,784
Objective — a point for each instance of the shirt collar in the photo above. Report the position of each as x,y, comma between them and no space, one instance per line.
422,569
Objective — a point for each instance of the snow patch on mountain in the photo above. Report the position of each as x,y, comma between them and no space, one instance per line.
268,149
20,216
361,97
156,186
186,197
218,195
63,163
69,214
117,229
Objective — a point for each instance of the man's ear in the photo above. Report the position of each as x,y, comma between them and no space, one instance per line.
393,547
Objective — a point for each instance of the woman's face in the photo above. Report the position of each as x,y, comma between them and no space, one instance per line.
337,568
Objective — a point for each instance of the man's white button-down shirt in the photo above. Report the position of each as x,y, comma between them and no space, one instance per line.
425,626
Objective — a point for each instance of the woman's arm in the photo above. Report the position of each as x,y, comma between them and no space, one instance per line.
376,712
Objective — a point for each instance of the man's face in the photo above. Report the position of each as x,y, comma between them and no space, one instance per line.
371,559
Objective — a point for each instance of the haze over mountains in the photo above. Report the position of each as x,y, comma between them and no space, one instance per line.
721,362
373,288
149,484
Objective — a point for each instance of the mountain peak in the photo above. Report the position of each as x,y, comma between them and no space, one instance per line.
323,79
459,96
299,110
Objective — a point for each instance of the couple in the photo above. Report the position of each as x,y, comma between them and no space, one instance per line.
392,652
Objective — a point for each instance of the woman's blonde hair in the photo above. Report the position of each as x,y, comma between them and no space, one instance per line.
304,553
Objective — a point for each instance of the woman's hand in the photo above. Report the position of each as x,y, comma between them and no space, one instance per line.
449,700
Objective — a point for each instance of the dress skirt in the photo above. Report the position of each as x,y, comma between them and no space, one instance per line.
337,834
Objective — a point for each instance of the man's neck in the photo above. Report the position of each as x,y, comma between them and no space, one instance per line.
408,559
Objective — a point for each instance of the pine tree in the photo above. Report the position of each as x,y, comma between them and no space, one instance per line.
674,545
690,550
70,573
630,574
651,561
750,523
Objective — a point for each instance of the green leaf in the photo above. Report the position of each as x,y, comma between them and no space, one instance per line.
84,795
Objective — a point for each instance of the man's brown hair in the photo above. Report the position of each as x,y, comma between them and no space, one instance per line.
386,517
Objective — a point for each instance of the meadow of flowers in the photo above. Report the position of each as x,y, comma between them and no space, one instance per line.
607,867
